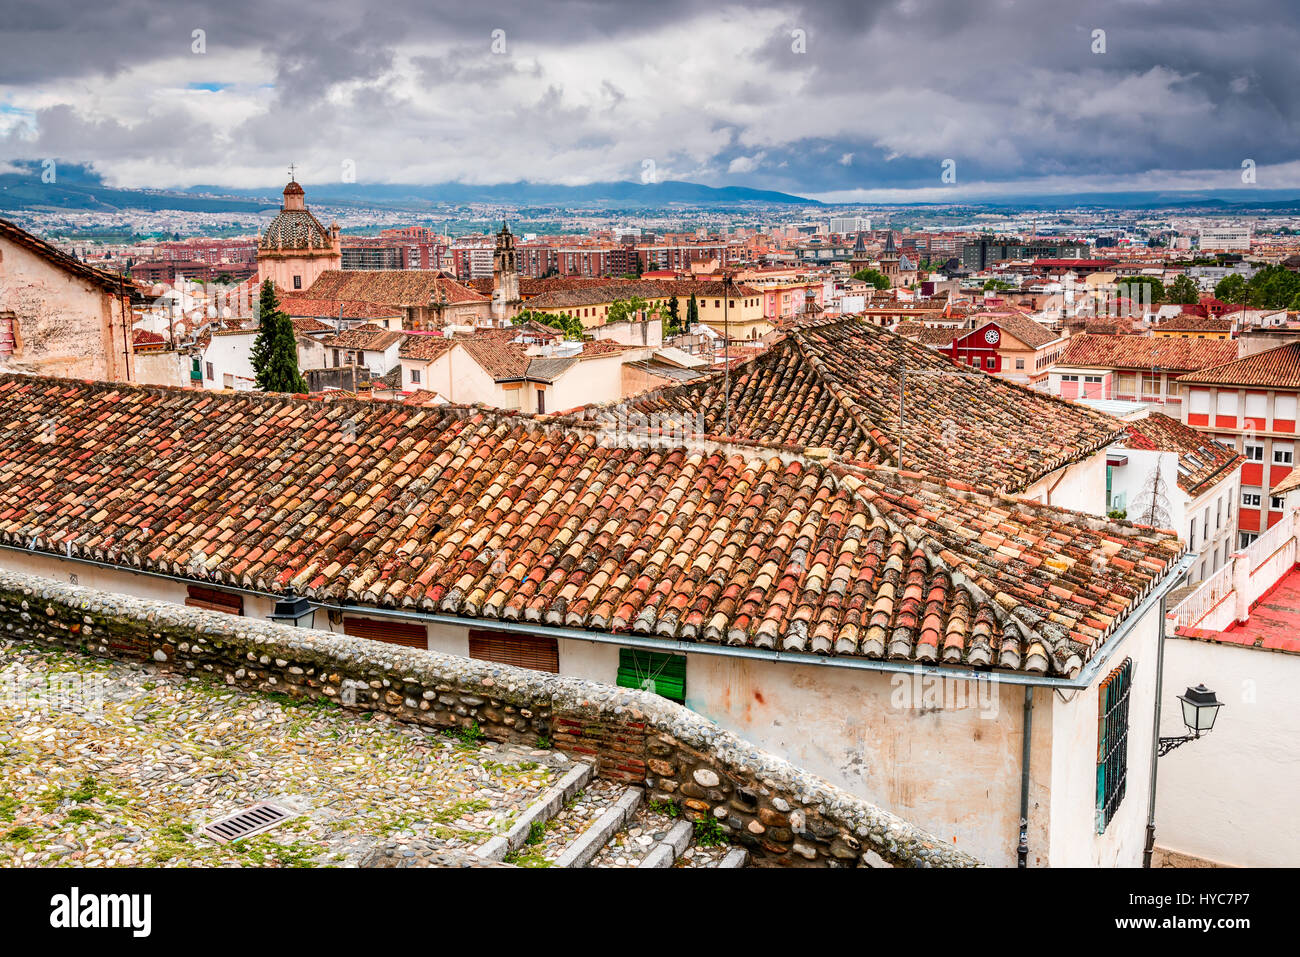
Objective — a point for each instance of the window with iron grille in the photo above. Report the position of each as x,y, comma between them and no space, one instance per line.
1112,742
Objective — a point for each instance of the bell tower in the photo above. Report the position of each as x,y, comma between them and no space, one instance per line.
505,277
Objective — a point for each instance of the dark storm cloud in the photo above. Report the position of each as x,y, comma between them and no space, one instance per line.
834,95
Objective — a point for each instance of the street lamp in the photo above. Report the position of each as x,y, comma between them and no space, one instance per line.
294,610
1200,708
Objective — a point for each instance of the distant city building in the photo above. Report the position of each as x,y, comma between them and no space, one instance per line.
978,254
1225,237
848,225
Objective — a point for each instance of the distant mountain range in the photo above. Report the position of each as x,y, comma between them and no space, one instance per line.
81,189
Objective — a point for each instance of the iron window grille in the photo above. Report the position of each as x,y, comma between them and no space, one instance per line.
1112,742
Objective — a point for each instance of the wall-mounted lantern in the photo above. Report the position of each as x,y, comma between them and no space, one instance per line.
1200,708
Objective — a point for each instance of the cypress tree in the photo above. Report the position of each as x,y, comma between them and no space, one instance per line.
275,349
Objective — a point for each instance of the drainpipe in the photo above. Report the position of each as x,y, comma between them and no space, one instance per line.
1022,847
1155,724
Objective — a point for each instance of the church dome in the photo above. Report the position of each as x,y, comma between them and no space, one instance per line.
294,227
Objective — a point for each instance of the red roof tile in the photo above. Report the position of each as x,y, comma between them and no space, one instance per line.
492,516
1276,369
1087,351
836,385
1202,462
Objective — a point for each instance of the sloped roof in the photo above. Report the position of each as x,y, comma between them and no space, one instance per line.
424,347
365,337
392,287
1202,462
929,335
1190,322
494,516
305,307
1275,369
1031,333
1088,351
836,385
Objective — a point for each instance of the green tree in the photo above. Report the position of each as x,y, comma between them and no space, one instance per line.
630,309
1131,287
1273,287
692,312
275,348
873,276
673,322
1183,290
997,285
1231,289
567,324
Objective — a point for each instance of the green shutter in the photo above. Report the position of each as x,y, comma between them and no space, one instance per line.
663,674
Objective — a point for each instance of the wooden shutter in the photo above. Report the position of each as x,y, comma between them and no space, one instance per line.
522,651
410,634
196,596
652,671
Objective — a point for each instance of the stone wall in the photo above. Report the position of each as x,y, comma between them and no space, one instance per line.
785,816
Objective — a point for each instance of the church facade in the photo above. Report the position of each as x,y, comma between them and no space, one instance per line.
296,248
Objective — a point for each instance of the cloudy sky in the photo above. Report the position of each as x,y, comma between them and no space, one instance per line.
840,100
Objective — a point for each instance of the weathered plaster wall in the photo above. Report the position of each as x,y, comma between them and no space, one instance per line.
64,325
785,815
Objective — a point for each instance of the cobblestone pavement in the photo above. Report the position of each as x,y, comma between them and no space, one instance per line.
113,764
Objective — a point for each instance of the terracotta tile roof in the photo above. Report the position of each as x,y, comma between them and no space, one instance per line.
929,335
424,346
501,359
304,325
424,397
316,308
1288,484
365,337
594,294
143,337
530,286
392,287
836,385
1202,462
1190,322
1145,352
497,517
1275,369
1031,333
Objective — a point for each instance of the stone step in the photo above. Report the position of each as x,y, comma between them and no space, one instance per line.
587,845
666,852
736,857
539,812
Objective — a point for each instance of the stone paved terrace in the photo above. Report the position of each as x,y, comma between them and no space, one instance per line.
131,782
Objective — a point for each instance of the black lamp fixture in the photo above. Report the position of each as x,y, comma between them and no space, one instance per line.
1200,708
294,610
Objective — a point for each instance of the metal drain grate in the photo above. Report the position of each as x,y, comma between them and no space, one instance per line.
246,823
